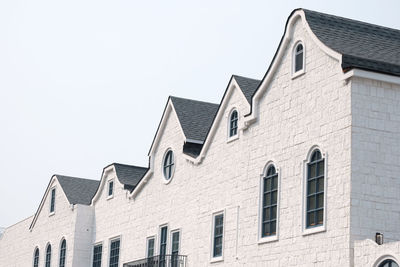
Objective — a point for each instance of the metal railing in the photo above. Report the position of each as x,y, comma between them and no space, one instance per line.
159,261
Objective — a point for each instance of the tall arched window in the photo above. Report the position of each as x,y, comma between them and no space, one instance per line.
233,123
269,202
315,189
388,263
36,258
63,252
48,256
298,57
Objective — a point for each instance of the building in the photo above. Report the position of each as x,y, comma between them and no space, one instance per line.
300,168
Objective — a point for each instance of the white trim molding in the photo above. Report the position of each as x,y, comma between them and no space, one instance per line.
371,75
218,258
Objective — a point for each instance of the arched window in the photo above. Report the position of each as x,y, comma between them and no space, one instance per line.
388,263
48,256
315,189
168,166
233,123
63,252
36,258
269,202
298,57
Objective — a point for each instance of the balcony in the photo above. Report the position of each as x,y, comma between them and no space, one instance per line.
159,261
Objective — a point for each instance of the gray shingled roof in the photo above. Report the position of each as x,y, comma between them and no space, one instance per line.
129,175
78,190
362,45
247,85
195,117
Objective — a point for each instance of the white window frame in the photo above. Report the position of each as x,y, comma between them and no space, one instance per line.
92,252
147,245
59,251
298,73
51,213
381,259
228,119
33,258
180,239
320,228
275,237
165,180
112,180
219,258
109,250
159,239
45,253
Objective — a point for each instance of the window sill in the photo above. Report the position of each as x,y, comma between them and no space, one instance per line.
314,230
217,259
232,138
52,213
268,239
298,74
110,197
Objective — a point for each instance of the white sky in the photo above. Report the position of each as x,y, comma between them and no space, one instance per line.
84,83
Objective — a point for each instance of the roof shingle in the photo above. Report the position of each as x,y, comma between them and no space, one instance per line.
78,190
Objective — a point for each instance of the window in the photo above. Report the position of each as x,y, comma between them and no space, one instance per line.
298,58
110,188
269,202
114,253
36,258
168,167
163,245
52,200
233,123
97,252
63,251
218,235
175,249
150,247
388,263
315,190
48,256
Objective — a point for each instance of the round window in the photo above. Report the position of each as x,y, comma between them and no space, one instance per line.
168,165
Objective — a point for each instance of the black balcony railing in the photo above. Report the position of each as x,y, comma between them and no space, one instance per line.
159,261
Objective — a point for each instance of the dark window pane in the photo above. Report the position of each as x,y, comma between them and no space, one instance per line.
52,200
273,213
48,256
320,200
313,171
114,253
320,184
275,182
267,214
299,48
320,216
63,251
268,184
274,198
110,188
299,62
36,258
321,168
97,252
310,219
273,228
311,187
311,202
218,235
268,199
150,248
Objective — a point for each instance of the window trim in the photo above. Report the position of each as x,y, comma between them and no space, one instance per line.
384,258
165,180
298,73
34,256
147,245
52,212
112,180
180,239
267,239
320,228
236,136
92,252
219,258
45,253
110,240
59,252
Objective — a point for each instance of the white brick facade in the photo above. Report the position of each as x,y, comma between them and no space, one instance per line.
354,122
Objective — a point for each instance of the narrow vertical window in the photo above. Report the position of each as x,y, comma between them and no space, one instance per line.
36,258
63,252
150,247
233,123
48,256
110,188
269,202
52,200
298,57
315,190
218,235
97,252
163,245
114,253
168,166
175,249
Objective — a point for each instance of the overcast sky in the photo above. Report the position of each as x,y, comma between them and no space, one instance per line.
84,83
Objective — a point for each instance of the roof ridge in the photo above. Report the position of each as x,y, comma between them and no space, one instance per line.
189,99
123,164
73,177
350,20
240,76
